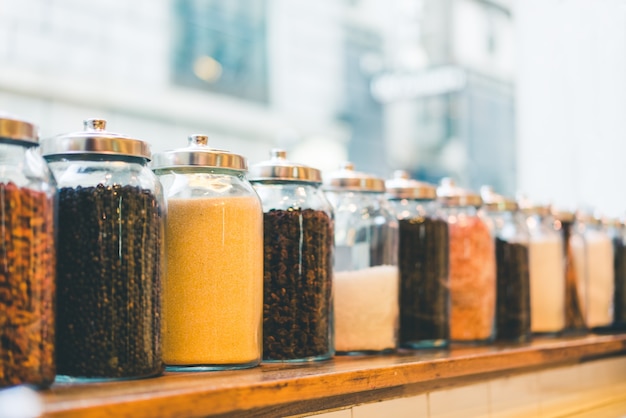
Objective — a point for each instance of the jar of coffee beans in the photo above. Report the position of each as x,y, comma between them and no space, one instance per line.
110,255
298,248
213,296
27,258
423,263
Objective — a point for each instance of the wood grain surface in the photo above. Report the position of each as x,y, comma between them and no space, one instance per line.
285,389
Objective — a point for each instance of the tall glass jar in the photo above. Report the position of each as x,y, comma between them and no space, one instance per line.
298,246
365,265
617,232
547,271
27,258
110,255
575,271
598,264
213,302
512,266
472,265
423,263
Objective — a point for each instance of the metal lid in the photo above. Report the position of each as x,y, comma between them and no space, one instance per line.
401,186
95,139
449,194
278,167
613,222
199,154
16,129
563,215
347,179
588,217
535,208
495,202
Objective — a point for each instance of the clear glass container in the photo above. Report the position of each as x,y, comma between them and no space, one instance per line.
547,271
27,258
616,230
213,302
575,271
110,255
598,264
365,265
298,246
512,266
472,265
423,263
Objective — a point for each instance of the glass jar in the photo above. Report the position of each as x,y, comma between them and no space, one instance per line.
598,264
365,265
547,271
512,266
213,301
110,255
27,258
423,263
298,248
575,271
617,233
472,265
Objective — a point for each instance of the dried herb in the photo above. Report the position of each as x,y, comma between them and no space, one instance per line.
27,285
513,291
619,264
424,287
297,279
109,283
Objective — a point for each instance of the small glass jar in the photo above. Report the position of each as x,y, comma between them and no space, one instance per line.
575,271
213,302
512,266
298,246
547,271
598,264
423,263
617,232
365,265
27,258
110,255
472,265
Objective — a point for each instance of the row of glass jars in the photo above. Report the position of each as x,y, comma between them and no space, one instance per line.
245,277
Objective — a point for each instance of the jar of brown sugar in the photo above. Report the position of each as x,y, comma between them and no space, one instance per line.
298,247
27,258
472,266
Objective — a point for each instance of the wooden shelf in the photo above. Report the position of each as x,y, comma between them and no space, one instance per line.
284,389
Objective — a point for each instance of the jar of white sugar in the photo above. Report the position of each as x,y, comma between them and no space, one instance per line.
598,263
365,265
213,291
546,271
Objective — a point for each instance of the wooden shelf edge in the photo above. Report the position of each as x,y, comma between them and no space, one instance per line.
341,381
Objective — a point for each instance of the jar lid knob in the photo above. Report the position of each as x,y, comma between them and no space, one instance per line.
197,139
346,165
278,154
401,174
95,124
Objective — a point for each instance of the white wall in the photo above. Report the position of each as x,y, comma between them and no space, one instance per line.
571,102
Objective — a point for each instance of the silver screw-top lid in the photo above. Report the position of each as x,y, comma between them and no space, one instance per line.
198,153
401,186
95,139
279,168
14,128
495,202
449,194
347,179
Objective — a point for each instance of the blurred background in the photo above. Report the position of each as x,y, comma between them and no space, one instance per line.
526,95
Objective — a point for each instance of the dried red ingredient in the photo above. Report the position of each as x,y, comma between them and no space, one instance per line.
27,287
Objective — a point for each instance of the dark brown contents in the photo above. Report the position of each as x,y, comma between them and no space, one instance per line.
27,284
513,291
424,286
574,318
297,280
619,302
109,282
